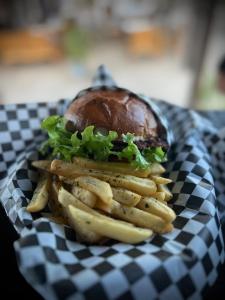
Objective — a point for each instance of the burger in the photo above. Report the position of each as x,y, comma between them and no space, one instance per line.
107,124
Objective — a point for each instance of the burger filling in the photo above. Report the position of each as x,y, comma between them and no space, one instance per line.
90,143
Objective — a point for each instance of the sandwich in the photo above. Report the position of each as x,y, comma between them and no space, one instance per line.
107,125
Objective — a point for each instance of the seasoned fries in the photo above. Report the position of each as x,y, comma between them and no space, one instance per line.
117,167
103,200
42,164
142,186
125,196
138,217
160,196
66,199
100,188
157,208
163,188
160,180
109,227
40,196
84,196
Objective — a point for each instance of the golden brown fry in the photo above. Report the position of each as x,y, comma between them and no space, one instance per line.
160,196
103,206
98,187
157,208
83,233
115,167
160,180
142,186
157,169
66,199
41,193
136,216
83,195
163,188
125,197
42,164
54,204
109,227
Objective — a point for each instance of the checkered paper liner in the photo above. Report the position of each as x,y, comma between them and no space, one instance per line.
180,265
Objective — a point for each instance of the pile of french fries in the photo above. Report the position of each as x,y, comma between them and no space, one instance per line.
102,200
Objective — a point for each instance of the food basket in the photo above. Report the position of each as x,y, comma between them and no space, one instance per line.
182,264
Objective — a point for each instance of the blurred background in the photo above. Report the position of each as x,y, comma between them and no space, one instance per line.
167,49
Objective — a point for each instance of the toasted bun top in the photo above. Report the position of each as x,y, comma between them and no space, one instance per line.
116,110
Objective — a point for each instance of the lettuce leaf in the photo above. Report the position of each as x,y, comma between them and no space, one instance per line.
65,145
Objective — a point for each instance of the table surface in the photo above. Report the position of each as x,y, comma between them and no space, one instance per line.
15,284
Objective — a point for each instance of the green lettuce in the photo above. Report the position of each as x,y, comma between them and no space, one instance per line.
65,145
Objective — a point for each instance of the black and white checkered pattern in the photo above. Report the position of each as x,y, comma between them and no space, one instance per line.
180,265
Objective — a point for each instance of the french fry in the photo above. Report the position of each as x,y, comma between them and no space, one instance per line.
109,227
111,167
160,196
54,204
125,196
42,164
157,169
66,180
83,195
83,233
138,217
157,208
104,207
116,167
66,199
58,213
40,196
163,188
160,180
98,187
142,186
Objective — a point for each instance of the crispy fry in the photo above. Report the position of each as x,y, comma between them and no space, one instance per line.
138,217
42,164
83,195
104,207
160,180
160,196
142,186
83,233
98,187
65,199
125,196
54,204
157,208
164,188
109,227
41,193
116,167
157,169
